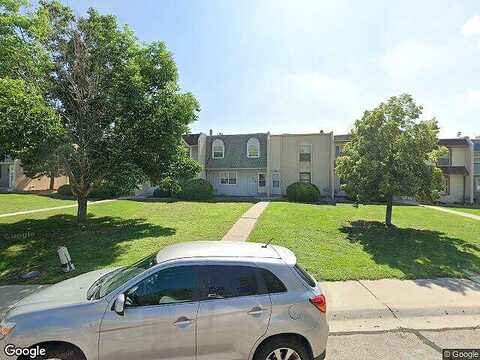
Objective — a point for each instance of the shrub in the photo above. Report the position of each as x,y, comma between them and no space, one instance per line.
196,189
303,192
104,191
65,190
168,187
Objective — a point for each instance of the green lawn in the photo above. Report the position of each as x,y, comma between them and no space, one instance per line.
10,203
118,233
343,242
470,210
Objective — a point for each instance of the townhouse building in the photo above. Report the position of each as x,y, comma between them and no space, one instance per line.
457,167
264,164
13,178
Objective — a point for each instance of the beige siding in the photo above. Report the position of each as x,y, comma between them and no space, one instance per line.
455,194
284,159
24,183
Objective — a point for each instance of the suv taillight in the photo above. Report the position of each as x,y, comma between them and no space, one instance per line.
319,302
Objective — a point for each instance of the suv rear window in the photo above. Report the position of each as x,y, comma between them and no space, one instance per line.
305,275
272,282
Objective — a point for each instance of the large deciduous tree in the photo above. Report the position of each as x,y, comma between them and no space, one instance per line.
121,110
392,154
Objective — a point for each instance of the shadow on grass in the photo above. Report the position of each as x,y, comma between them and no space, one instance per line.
418,253
218,199
31,244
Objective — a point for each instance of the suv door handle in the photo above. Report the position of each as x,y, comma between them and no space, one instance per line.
183,321
257,310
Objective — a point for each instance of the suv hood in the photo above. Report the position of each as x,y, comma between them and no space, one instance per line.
65,293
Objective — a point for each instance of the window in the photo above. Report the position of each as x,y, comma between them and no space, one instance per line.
305,177
227,281
261,180
305,275
228,178
338,151
218,149
446,185
275,180
169,286
272,283
477,186
476,157
253,148
305,152
445,159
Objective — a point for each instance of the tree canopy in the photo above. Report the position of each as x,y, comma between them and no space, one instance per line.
109,104
392,154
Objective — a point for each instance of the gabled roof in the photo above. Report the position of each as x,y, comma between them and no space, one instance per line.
342,137
454,142
454,170
191,139
236,152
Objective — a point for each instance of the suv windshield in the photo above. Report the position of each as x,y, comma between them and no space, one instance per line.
106,285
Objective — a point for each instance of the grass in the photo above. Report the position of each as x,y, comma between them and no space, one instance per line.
117,234
10,203
343,242
474,209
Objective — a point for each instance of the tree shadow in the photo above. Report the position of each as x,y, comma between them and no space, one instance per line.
418,253
32,244
216,199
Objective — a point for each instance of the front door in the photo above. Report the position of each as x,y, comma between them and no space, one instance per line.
159,319
276,190
233,313
262,183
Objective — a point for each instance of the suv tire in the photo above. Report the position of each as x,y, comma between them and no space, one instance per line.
282,348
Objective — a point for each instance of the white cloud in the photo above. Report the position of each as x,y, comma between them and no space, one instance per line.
471,27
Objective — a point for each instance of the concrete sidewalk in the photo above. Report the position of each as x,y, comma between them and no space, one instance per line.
54,208
454,212
378,305
241,230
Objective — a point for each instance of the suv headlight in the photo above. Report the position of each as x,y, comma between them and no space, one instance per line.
6,328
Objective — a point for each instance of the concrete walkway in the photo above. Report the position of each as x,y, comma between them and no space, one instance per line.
378,305
54,208
439,208
241,230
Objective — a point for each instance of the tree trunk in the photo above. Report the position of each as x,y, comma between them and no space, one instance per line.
82,209
388,215
52,182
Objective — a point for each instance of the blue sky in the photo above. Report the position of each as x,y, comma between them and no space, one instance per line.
305,66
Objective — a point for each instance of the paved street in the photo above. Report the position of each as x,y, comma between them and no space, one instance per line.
400,345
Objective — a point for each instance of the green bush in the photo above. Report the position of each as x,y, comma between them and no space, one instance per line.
65,190
196,189
168,187
104,191
303,192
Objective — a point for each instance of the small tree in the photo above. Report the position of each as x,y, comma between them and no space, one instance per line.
391,154
113,102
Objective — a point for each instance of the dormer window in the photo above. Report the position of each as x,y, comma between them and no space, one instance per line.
218,149
253,148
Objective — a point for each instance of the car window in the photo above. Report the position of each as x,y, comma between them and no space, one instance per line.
272,283
227,281
123,275
305,275
173,285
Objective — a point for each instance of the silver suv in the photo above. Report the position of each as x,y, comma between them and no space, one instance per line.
200,300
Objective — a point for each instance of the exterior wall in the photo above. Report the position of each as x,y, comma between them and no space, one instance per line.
284,159
338,150
24,183
202,153
455,194
4,176
247,183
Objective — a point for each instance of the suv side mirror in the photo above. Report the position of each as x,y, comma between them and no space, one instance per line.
119,305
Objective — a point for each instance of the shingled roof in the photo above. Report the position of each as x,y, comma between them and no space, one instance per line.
236,152
191,139
453,142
